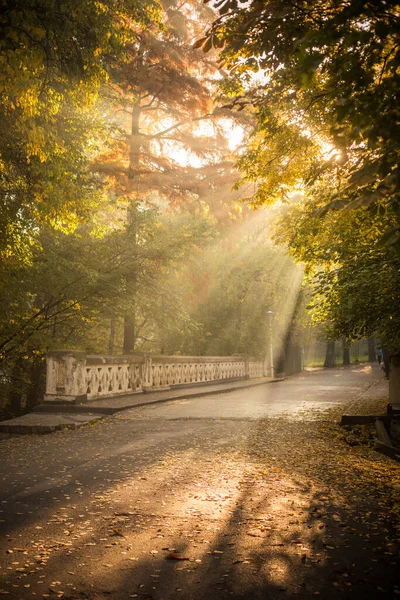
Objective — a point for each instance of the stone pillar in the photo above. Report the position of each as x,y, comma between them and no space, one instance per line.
394,379
66,377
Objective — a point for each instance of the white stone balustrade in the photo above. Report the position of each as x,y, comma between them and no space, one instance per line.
256,368
73,376
113,376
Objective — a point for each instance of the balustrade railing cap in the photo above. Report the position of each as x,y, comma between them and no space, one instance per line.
93,359
103,358
173,357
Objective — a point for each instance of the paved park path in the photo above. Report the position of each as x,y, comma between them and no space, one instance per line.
251,494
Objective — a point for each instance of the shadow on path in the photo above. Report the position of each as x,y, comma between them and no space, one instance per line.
258,509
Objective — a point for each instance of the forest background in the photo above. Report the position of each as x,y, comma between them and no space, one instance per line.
137,140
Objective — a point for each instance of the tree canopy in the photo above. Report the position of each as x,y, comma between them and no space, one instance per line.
169,143
54,57
324,79
355,280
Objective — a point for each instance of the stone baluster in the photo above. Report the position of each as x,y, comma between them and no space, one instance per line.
131,377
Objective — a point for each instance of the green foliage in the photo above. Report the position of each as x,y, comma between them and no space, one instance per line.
323,78
50,51
75,283
355,279
53,58
331,81
361,297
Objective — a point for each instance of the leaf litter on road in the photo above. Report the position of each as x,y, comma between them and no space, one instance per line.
274,505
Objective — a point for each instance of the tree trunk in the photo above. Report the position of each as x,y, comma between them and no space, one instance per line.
371,349
394,379
330,355
239,325
112,337
134,160
37,385
346,353
162,326
356,351
17,387
293,360
129,333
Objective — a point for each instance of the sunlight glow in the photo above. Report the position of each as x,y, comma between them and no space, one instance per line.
233,133
328,150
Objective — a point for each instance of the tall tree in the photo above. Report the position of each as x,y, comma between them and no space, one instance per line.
170,145
172,138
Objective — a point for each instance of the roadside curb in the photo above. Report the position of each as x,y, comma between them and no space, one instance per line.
37,423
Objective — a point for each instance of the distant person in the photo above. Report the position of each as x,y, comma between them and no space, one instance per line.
379,354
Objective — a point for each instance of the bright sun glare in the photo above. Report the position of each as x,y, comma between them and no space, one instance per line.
184,157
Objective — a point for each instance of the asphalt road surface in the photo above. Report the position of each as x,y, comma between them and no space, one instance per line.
249,494
308,395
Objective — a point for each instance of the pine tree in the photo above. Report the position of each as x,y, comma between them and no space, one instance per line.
170,142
